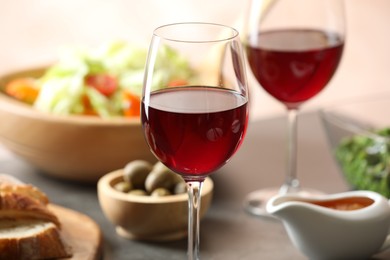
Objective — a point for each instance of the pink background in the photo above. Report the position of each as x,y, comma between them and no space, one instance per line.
32,31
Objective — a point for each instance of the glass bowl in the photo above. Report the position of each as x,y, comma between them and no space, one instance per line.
358,133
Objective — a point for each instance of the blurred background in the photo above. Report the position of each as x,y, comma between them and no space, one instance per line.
32,31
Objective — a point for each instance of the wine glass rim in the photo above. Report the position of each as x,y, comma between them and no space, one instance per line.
158,32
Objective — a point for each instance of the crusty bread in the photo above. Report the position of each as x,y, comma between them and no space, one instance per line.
11,184
28,229
25,189
18,206
20,201
31,239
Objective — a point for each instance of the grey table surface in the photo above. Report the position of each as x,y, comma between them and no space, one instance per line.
227,231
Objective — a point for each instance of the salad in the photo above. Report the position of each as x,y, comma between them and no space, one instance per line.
365,161
106,81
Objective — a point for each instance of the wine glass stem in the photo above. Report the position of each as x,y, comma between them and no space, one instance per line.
194,191
291,183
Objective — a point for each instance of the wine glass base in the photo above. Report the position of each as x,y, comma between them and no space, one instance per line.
255,203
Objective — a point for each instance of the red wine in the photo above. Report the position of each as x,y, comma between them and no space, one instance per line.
194,130
294,65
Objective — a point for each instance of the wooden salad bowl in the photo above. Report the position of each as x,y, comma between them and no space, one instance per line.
78,148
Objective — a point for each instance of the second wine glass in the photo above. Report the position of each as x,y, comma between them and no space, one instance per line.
195,105
293,48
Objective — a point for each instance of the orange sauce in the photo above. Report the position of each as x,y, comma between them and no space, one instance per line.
345,204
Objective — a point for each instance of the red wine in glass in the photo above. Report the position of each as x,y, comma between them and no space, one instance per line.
294,65
194,130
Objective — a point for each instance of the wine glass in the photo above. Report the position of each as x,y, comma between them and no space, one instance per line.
195,125
293,49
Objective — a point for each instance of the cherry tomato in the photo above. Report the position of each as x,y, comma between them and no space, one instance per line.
106,84
132,104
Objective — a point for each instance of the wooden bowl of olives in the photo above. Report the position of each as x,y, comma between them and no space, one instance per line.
148,202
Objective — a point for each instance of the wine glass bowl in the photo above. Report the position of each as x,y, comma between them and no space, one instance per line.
294,65
293,48
195,127
210,137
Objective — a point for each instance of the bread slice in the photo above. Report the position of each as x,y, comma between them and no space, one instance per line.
26,190
28,228
20,206
31,239
19,200
9,183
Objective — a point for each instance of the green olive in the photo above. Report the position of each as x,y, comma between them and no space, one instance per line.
138,192
136,172
161,177
123,186
180,187
159,166
160,192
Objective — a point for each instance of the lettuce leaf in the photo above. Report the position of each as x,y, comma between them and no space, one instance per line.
63,86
